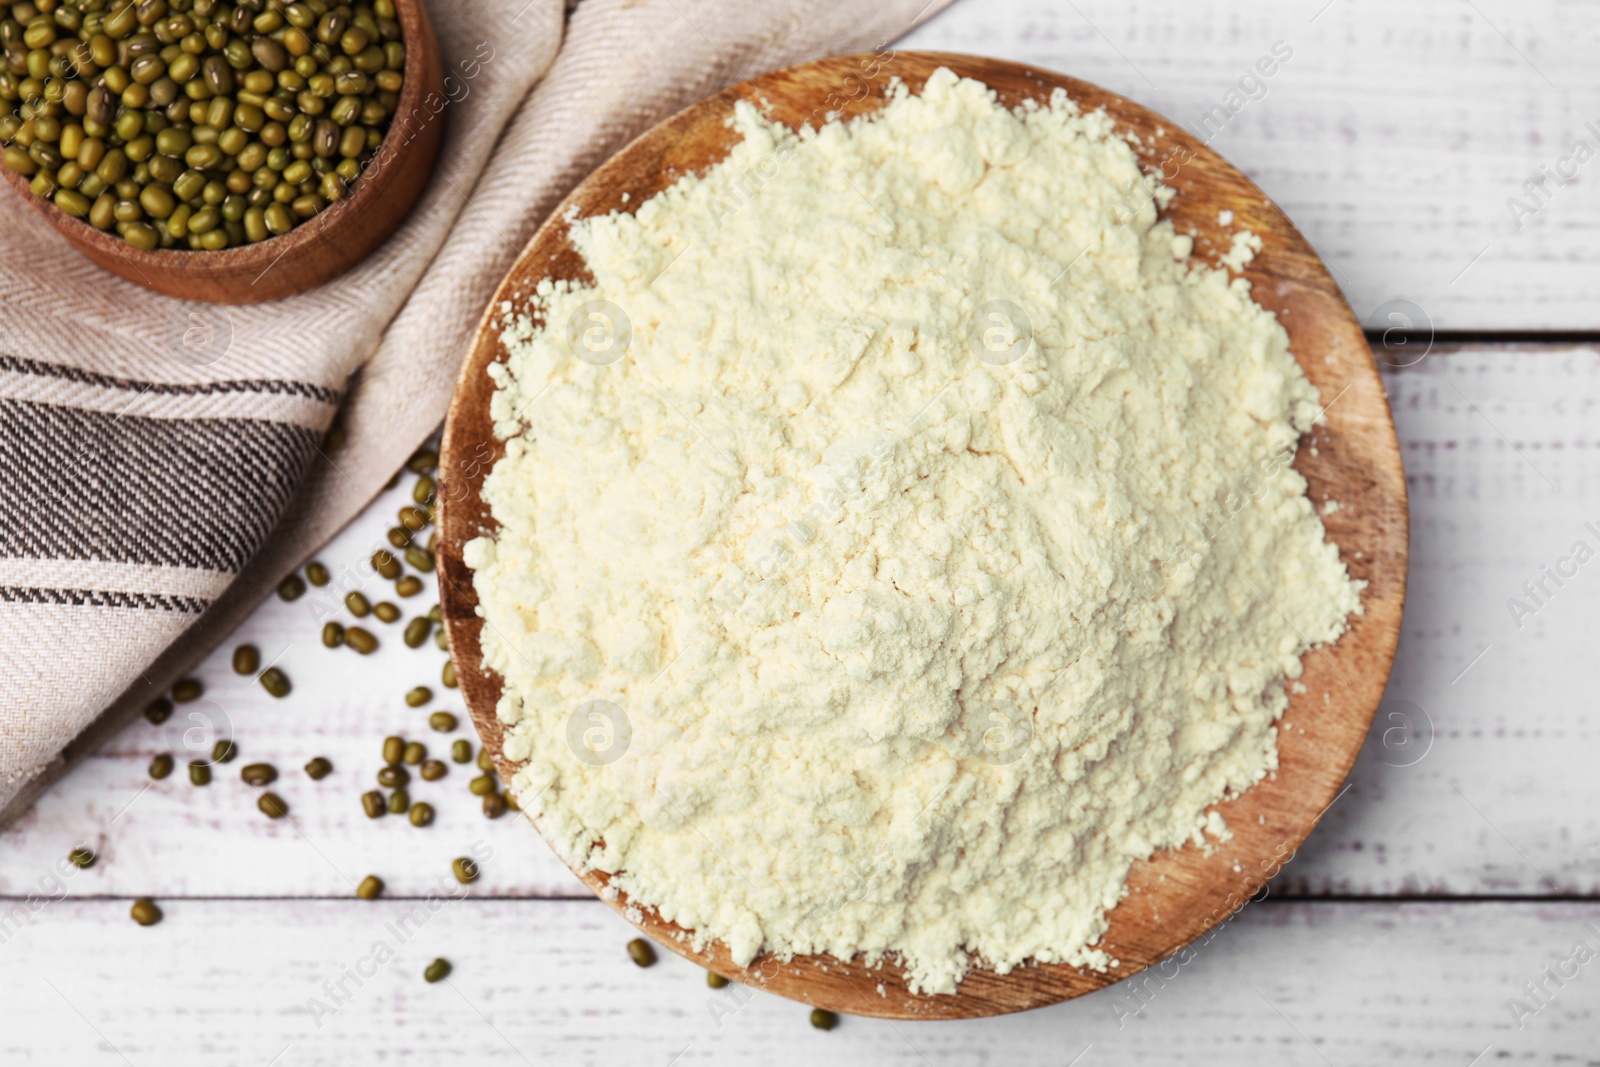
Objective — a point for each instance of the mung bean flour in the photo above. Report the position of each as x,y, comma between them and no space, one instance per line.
898,539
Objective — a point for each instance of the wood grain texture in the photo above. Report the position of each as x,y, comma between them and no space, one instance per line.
1394,136
1292,985
1176,896
319,249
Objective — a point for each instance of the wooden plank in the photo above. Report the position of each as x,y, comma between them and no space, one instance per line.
1393,136
1513,734
544,981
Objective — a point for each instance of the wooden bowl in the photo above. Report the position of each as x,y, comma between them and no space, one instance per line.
1175,896
318,250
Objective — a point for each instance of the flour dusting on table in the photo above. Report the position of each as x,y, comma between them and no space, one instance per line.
911,545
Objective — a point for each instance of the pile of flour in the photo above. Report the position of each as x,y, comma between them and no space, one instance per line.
898,539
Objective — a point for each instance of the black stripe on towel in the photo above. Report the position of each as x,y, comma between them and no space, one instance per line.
127,489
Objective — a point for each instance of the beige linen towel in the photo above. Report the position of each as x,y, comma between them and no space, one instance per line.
164,460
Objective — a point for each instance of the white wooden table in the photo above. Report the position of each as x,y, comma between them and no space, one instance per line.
1434,916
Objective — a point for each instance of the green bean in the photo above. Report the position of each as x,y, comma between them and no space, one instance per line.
418,696
461,751
442,721
371,887
715,980
291,587
246,658
465,870
274,681
82,857
417,631
318,768
432,770
199,772
436,971
158,711
823,1019
393,748
421,814
642,952
258,773
414,753
372,803
145,912
161,766
399,802
187,690
494,805
360,640
272,805
224,751
332,634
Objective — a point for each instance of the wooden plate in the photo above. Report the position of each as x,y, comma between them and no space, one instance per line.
318,250
1174,896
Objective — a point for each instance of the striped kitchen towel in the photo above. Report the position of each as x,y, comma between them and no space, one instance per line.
165,461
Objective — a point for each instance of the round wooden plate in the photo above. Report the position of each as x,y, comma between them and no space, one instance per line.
1175,896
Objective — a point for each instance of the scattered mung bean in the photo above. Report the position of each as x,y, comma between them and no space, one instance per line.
418,696
414,753
461,751
258,773
393,748
158,711
246,658
358,605
409,585
393,777
360,640
291,587
823,1019
421,814
437,971
187,690
494,805
274,681
442,721
224,751
145,912
82,857
417,631
318,769
715,980
399,802
161,766
432,770
332,634
386,611
370,888
642,952
199,772
465,870
317,574
272,805
372,803
482,785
